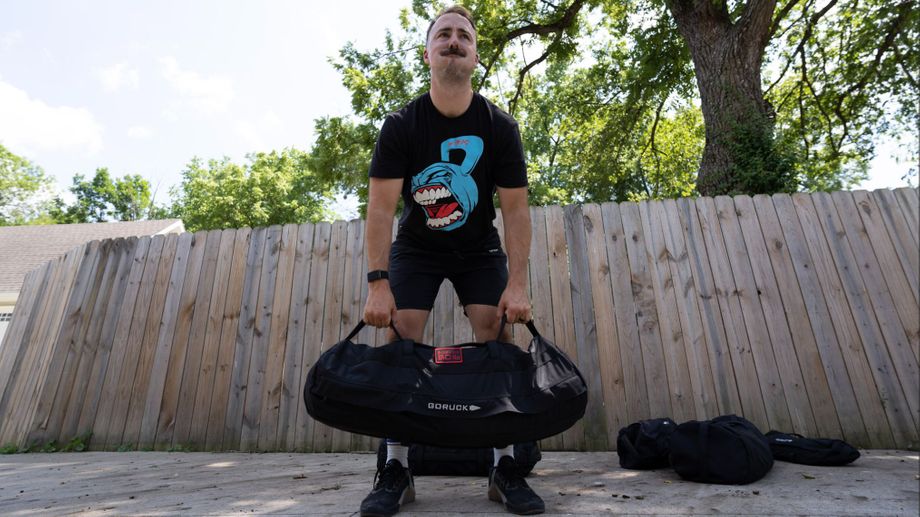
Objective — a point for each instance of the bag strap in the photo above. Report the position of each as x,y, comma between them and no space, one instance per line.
530,326
361,325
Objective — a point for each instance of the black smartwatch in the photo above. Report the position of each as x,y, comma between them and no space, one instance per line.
379,274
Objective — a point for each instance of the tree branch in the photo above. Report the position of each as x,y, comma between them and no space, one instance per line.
523,73
903,10
557,27
568,17
783,12
805,37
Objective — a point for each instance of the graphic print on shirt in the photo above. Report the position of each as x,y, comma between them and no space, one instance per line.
446,191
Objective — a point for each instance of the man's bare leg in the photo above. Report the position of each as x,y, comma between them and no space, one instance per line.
410,323
485,323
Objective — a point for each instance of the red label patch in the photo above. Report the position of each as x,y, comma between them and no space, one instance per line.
451,355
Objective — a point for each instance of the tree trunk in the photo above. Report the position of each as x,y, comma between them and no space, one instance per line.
727,58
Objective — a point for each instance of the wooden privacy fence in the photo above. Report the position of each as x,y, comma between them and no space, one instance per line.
798,312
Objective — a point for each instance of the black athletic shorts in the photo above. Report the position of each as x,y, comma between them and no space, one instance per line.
478,277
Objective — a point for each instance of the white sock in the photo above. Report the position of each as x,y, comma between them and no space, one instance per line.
398,451
498,453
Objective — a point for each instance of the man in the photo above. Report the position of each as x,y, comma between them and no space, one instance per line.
446,153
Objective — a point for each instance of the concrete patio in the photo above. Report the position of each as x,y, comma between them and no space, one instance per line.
881,482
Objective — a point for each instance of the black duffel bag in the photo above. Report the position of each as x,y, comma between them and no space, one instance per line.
645,444
796,448
728,450
474,395
429,460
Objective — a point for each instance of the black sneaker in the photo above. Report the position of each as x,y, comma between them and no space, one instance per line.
507,485
393,486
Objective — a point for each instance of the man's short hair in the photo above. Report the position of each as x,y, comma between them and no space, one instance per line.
455,9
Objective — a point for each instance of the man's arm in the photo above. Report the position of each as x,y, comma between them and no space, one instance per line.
516,216
382,198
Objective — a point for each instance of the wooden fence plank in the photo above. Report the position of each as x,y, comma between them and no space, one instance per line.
683,406
12,427
122,353
167,418
194,343
906,247
602,311
229,325
244,340
110,318
17,338
771,383
801,339
817,311
903,296
716,342
223,240
777,325
563,318
148,347
274,369
843,324
56,371
910,206
643,289
22,394
742,360
252,409
595,422
63,349
624,307
319,265
686,295
161,364
110,254
291,399
899,359
71,390
332,316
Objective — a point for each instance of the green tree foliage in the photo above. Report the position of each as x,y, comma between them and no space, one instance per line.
273,188
608,93
25,191
104,199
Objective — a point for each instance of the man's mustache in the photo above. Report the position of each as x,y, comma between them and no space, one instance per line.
453,52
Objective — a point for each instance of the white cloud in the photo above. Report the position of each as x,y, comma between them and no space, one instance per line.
118,76
210,94
140,132
10,40
28,125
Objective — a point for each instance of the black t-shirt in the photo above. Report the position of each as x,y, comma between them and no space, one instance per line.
451,167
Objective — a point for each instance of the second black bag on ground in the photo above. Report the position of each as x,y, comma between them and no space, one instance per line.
428,460
727,450
476,395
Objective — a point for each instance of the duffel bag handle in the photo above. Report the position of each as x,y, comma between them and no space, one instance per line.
530,326
361,325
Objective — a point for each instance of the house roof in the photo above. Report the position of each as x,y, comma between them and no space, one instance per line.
24,248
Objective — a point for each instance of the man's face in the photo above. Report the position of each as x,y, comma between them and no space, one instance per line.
451,49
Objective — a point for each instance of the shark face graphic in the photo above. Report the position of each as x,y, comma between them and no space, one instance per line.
446,191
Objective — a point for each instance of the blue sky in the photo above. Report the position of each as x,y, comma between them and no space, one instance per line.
142,87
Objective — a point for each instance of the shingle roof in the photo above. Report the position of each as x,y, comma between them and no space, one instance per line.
23,248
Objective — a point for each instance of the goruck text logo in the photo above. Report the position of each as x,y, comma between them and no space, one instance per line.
453,407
